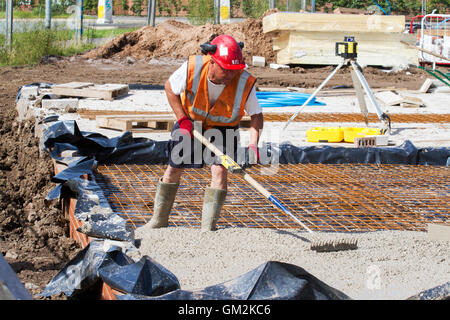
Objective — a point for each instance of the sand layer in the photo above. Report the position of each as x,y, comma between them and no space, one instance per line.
386,265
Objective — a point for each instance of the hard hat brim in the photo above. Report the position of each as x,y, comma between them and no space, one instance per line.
229,66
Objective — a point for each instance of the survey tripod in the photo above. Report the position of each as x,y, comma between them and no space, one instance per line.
348,51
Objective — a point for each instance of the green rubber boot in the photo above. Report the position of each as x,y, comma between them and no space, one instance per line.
212,205
165,196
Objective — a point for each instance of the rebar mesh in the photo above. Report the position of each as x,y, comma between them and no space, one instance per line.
342,197
358,117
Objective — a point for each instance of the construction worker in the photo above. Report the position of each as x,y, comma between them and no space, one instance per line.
214,89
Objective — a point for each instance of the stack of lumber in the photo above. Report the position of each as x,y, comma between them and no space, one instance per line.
89,90
145,122
310,38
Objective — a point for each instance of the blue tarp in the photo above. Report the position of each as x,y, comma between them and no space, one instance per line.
284,99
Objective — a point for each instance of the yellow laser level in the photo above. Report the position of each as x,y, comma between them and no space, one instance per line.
347,49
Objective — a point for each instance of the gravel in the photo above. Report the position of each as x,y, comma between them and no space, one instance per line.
387,264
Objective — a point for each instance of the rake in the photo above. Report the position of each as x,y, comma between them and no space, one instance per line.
233,167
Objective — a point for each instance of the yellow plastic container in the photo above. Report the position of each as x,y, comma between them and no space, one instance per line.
351,133
325,134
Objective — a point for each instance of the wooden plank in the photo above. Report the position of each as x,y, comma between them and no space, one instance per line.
75,85
105,91
389,98
438,231
362,38
143,123
428,51
339,92
412,100
314,47
365,58
126,122
337,22
426,85
92,114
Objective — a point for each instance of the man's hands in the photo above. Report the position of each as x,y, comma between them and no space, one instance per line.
253,154
185,125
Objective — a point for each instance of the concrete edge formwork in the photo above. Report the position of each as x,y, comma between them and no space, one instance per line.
68,204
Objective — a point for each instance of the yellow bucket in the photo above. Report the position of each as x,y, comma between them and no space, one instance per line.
325,134
351,133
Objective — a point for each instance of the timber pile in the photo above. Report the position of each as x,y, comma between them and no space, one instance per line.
309,38
90,90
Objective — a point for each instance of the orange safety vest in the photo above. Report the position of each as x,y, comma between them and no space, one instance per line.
228,110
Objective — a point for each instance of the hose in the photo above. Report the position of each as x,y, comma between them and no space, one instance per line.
389,6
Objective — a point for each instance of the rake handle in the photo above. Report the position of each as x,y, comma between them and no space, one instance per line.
248,178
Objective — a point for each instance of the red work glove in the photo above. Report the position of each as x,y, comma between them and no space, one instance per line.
253,154
185,125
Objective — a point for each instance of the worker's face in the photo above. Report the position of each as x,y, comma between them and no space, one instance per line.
218,75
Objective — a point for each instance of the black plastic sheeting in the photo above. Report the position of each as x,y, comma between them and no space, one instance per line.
146,279
65,135
99,220
10,286
406,153
97,262
271,280
441,292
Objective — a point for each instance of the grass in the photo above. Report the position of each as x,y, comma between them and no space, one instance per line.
31,45
36,14
106,33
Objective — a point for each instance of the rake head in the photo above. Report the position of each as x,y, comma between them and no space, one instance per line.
334,245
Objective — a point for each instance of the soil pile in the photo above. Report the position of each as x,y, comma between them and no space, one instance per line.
174,39
34,237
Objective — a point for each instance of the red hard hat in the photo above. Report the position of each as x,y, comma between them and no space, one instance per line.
228,54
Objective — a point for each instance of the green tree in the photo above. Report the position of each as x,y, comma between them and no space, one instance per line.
201,11
254,8
124,5
137,7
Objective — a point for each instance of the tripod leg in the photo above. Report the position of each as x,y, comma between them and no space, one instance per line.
314,94
360,96
381,115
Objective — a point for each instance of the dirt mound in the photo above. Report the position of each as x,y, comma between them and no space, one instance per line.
178,40
34,237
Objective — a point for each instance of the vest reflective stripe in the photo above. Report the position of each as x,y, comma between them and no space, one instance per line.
197,71
236,105
229,106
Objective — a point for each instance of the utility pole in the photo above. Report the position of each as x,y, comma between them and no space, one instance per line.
272,4
151,10
217,12
304,5
9,23
48,14
424,7
79,21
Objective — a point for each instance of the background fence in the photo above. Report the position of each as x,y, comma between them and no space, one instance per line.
239,9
